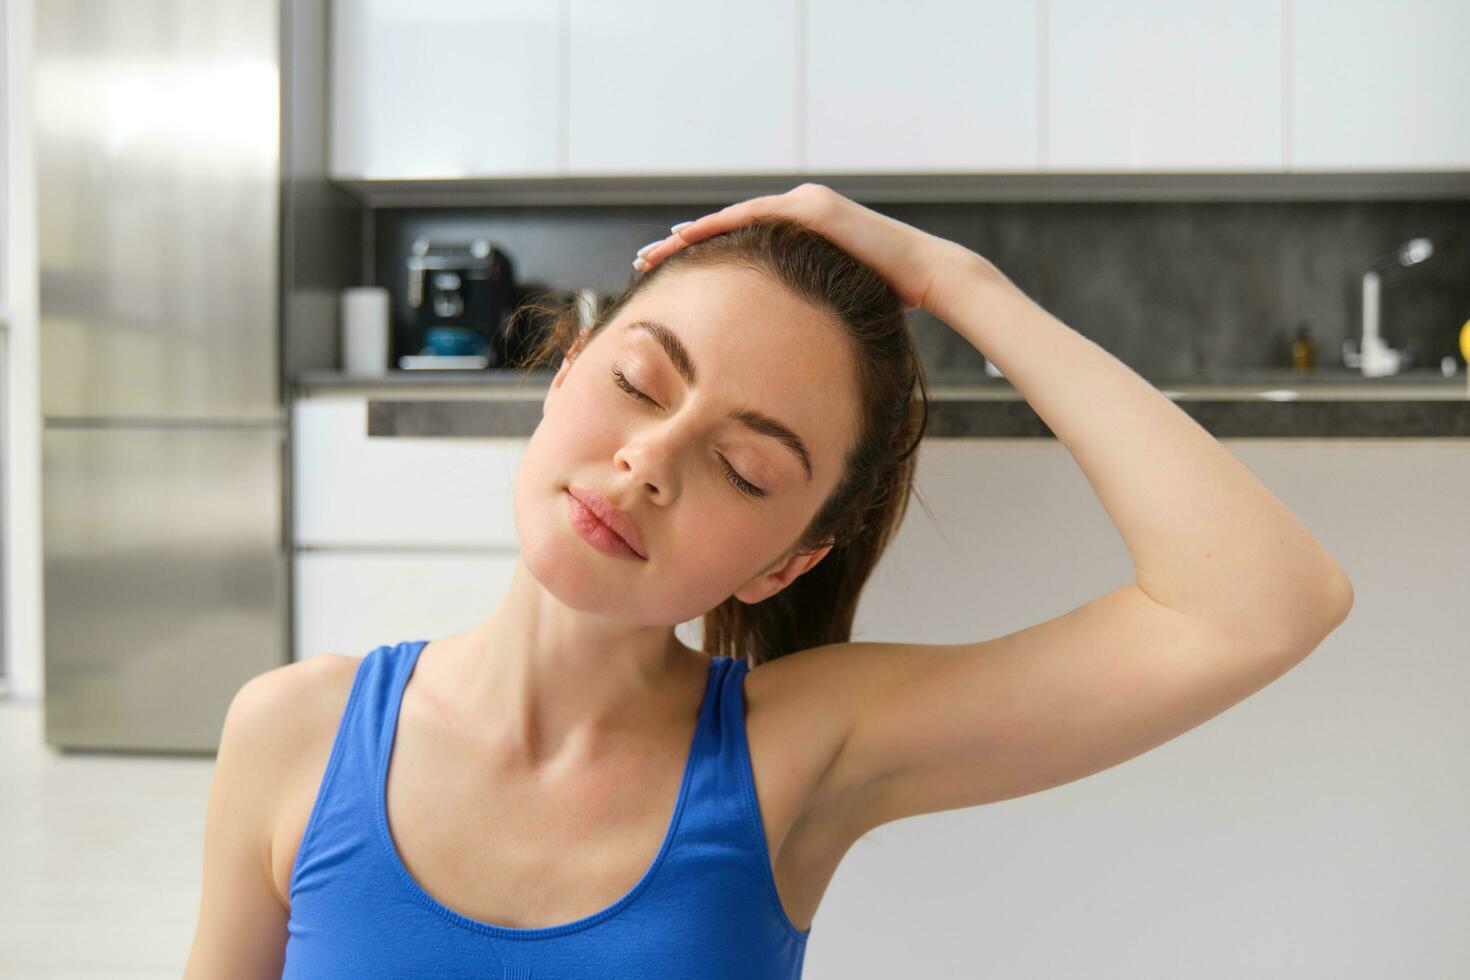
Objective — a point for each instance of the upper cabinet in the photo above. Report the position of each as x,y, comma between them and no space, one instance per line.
1159,85
445,88
670,87
582,88
946,86
1380,86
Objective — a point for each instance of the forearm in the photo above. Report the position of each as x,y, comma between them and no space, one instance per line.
1206,536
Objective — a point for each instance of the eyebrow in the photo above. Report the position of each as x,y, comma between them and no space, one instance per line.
756,421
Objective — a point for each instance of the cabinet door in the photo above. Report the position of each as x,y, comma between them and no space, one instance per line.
350,490
445,88
352,601
1157,85
1379,86
946,87
670,87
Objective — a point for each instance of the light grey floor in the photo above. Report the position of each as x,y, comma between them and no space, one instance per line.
100,857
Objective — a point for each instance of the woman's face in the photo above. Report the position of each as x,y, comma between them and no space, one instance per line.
751,345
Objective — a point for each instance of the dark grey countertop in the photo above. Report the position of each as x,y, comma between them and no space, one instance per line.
1331,402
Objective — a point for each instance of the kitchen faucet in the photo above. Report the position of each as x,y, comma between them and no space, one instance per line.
1374,356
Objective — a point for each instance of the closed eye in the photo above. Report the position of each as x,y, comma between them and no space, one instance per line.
738,481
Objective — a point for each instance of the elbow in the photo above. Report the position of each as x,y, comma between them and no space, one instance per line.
1336,595
1341,602
1342,589
1323,613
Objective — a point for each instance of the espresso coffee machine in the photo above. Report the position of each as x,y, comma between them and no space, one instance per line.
459,296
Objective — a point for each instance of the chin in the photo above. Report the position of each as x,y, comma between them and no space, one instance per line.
564,564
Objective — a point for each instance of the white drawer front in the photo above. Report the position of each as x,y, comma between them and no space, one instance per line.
351,602
354,491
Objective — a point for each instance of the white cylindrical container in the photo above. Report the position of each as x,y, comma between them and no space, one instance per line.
365,331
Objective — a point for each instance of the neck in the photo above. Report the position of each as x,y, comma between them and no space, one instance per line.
546,682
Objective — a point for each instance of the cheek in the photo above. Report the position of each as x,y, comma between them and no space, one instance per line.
705,571
722,548
583,422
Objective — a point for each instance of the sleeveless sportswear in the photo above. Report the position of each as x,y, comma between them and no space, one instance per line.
707,907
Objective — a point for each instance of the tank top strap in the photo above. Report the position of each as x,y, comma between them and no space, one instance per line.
721,825
346,794
718,801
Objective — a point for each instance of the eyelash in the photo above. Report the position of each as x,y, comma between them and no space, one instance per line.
739,482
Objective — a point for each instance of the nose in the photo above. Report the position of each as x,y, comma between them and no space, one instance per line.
649,458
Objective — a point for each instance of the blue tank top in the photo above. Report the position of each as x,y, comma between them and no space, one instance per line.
707,907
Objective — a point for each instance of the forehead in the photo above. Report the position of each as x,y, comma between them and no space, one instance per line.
737,304
754,344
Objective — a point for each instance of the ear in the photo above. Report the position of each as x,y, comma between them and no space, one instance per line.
779,574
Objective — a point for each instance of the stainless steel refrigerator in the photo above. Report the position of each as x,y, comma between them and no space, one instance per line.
159,171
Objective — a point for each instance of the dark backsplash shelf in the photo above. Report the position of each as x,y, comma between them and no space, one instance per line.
1330,405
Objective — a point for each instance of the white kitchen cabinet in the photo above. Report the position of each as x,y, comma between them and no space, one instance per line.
461,89
446,88
670,87
354,491
1380,86
350,602
394,538
946,87
1158,86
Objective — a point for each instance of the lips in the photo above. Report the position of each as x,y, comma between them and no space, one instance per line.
610,514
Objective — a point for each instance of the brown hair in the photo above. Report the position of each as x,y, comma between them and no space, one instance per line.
865,510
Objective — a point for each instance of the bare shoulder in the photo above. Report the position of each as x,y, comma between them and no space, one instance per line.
799,711
286,706
810,694
798,694
815,701
294,711
797,718
243,913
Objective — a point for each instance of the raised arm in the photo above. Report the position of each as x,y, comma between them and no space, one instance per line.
1230,589
1207,538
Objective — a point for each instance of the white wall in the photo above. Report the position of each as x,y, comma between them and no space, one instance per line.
21,493
1315,829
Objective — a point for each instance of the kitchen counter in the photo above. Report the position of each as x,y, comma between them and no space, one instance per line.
1329,403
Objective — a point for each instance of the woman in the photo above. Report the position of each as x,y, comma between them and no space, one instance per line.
573,792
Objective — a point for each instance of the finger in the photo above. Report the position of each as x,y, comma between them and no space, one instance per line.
662,250
715,223
729,218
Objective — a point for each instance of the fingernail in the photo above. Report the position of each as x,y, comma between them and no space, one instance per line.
680,226
639,264
648,246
